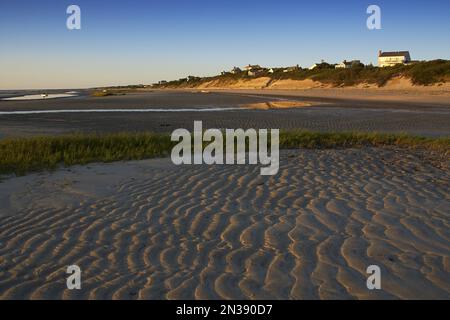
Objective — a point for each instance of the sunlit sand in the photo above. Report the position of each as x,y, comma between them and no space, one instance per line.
42,96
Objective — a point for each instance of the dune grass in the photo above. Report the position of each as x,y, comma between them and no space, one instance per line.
322,140
421,73
23,155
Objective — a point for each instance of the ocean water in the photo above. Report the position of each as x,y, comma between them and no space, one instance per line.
117,110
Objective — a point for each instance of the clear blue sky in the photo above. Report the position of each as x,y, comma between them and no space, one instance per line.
143,41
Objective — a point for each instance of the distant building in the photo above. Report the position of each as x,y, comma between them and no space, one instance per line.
235,70
193,78
389,59
274,70
317,65
254,70
291,69
322,65
252,67
347,64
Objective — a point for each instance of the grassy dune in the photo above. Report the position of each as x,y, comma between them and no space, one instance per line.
421,73
23,155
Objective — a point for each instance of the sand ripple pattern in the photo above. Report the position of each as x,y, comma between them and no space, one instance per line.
157,231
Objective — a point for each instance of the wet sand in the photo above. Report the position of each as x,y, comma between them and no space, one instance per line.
152,230
391,112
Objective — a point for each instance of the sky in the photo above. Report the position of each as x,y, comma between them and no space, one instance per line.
144,41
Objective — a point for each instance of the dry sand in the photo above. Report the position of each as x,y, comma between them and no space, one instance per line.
276,105
252,83
395,85
151,230
296,84
396,89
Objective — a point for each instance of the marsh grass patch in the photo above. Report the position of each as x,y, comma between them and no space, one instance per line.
20,156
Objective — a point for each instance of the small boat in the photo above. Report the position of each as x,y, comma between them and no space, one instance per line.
44,95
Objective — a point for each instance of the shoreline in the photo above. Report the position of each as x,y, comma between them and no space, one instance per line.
411,114
413,95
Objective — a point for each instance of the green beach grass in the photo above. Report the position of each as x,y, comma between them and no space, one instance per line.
421,73
23,155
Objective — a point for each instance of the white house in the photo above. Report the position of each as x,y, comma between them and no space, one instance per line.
389,59
347,64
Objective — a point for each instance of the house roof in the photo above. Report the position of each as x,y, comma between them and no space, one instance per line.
394,54
252,66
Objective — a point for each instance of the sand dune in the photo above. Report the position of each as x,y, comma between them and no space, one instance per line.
289,84
151,230
397,85
252,83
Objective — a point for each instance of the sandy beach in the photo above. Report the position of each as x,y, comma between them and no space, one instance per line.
225,159
153,230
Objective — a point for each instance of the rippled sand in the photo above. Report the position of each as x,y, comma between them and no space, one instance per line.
151,230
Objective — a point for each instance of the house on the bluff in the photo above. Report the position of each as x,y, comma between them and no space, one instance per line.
347,64
389,59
